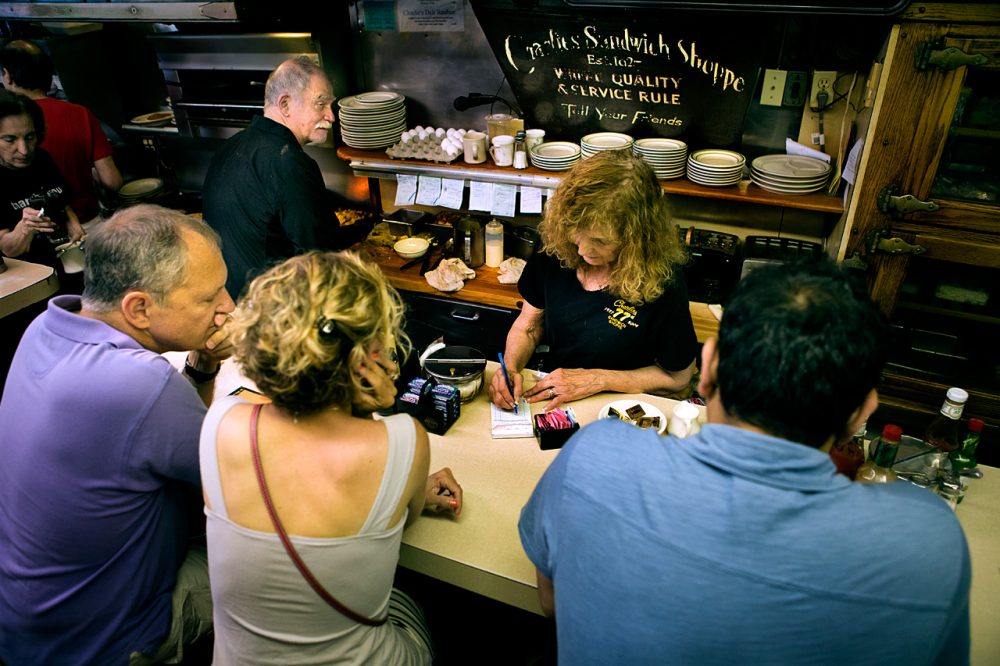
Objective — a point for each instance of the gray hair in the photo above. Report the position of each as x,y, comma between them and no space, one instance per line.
291,77
140,248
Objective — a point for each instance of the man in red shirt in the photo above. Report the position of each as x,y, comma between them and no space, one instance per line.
73,134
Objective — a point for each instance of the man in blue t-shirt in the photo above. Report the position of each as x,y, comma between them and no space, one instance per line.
741,544
99,446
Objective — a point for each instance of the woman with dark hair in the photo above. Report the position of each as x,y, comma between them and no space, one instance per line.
605,292
35,217
317,335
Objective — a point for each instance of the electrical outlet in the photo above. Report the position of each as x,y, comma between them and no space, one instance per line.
821,81
774,87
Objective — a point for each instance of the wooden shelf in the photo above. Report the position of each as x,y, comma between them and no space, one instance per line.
375,163
948,312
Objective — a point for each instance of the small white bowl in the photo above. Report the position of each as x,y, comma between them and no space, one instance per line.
411,248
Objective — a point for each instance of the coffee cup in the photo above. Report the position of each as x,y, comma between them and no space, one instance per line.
474,147
532,138
503,150
520,160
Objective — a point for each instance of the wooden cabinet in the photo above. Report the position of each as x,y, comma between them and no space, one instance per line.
930,178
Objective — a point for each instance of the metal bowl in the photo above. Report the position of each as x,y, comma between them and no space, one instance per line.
459,366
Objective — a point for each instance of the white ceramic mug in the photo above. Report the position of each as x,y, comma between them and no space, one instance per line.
532,138
503,150
474,147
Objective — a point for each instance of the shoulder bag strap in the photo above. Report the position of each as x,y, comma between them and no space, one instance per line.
286,542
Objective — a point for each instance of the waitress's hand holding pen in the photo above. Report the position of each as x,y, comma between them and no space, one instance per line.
443,492
506,388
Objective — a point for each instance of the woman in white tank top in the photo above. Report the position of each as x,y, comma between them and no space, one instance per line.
316,334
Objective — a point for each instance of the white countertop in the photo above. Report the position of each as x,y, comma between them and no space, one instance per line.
24,283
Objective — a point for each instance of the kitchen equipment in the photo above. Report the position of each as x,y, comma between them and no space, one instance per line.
406,222
521,242
455,365
215,82
768,250
470,241
713,269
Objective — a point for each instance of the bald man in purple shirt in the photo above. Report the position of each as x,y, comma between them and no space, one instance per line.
100,451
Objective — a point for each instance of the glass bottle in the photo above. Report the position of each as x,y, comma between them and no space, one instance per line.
965,456
849,455
878,467
943,431
520,151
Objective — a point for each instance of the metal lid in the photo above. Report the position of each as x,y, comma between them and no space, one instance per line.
455,362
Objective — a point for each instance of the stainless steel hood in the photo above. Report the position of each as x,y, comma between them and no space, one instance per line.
165,12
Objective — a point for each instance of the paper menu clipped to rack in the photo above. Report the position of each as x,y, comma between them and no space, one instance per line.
508,424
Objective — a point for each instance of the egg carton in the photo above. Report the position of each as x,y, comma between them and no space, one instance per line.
428,143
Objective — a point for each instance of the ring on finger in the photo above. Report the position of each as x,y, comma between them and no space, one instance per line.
552,393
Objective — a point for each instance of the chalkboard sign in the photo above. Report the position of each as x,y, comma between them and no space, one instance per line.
670,74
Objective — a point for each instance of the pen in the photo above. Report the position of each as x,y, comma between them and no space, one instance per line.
510,384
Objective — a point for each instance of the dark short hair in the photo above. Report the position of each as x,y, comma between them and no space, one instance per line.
800,347
29,67
16,104
138,248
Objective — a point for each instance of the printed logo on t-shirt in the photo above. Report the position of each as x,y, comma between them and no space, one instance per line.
622,315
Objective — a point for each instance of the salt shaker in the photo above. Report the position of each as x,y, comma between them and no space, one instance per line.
684,420
520,151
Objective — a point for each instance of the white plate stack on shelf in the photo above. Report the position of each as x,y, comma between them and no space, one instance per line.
668,157
594,143
555,155
790,174
715,167
372,120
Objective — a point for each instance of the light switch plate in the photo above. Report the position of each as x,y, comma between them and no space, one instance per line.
795,89
774,87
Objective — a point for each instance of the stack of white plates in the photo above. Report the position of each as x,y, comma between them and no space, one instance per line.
555,155
595,143
666,156
372,119
790,174
715,167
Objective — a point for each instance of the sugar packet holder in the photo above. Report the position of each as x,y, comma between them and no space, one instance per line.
555,427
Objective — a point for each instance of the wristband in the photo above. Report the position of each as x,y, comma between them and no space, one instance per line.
197,375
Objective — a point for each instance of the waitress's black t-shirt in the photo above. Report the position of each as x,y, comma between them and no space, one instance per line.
595,329
17,186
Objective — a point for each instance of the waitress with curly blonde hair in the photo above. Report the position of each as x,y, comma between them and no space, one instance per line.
605,292
311,476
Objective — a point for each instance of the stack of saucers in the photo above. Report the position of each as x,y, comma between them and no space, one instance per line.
555,155
790,174
594,143
715,167
666,156
372,119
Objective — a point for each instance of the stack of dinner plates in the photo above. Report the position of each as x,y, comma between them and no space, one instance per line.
715,167
667,156
372,120
595,143
790,174
555,155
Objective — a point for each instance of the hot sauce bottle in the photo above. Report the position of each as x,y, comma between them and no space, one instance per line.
849,455
878,467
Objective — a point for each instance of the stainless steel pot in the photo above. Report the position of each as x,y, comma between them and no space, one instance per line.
456,365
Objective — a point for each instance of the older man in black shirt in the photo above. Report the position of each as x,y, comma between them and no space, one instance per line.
263,194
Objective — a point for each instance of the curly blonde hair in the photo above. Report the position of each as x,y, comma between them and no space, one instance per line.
277,333
616,195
